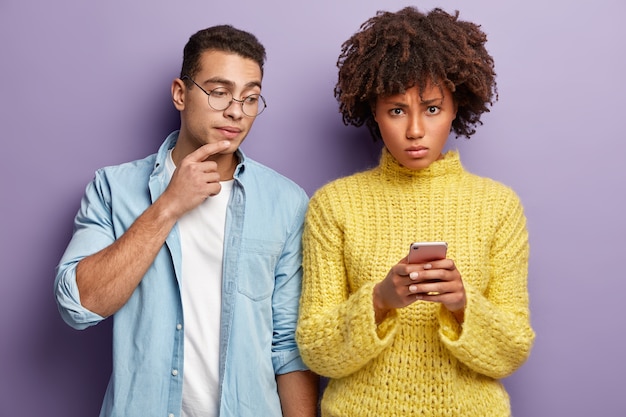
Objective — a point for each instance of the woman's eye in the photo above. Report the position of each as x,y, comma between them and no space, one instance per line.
396,112
432,110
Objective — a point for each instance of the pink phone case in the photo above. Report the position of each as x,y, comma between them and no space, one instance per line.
421,252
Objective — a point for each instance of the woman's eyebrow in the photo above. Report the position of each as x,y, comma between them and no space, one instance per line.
432,100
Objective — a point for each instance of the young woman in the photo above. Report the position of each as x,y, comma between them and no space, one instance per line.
398,338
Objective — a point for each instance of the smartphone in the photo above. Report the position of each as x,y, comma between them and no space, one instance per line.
421,252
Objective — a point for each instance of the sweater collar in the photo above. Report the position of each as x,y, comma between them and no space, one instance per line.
449,164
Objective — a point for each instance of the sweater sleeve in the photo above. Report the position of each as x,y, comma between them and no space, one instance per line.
337,333
496,336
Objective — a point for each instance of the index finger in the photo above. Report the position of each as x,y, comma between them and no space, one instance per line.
204,151
441,264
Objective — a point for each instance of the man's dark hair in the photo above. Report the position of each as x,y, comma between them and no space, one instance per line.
393,52
220,38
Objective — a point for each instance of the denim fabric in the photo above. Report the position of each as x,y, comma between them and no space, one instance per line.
260,290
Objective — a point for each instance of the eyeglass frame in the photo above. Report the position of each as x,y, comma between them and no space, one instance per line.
242,102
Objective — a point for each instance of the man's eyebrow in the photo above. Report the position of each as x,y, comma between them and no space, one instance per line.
229,83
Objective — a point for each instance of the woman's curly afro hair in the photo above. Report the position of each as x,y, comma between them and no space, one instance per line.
393,52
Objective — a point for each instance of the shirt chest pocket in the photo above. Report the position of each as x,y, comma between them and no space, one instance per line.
257,263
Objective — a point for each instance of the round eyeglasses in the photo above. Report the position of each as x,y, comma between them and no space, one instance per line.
221,98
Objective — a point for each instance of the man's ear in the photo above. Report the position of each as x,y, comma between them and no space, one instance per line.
178,94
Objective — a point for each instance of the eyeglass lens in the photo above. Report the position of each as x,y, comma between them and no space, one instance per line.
220,98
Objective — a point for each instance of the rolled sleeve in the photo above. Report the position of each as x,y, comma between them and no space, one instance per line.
286,299
68,301
92,232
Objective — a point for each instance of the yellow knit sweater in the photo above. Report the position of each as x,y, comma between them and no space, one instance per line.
419,361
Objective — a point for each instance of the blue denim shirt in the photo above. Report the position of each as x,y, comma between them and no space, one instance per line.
260,290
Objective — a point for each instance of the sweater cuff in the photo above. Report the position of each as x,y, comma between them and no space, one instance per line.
449,328
387,328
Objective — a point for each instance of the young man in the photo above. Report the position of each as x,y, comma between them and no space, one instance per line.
195,251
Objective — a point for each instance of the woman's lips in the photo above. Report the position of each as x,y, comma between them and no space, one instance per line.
418,152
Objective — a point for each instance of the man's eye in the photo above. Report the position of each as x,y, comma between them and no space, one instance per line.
396,111
433,110
219,93
251,99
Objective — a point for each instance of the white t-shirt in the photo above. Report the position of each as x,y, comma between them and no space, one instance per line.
202,243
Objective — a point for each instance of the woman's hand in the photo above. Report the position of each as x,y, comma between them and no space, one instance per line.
441,282
437,281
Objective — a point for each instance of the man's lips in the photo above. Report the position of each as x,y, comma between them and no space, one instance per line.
229,132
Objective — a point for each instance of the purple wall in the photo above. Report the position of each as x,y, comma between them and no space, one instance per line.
86,84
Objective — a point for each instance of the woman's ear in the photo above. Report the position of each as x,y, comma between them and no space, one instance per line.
178,94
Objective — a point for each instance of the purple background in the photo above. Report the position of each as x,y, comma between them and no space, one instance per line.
86,84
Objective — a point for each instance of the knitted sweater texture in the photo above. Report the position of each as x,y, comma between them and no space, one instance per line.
419,361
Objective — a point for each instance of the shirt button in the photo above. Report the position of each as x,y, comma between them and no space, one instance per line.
179,326
174,372
170,415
